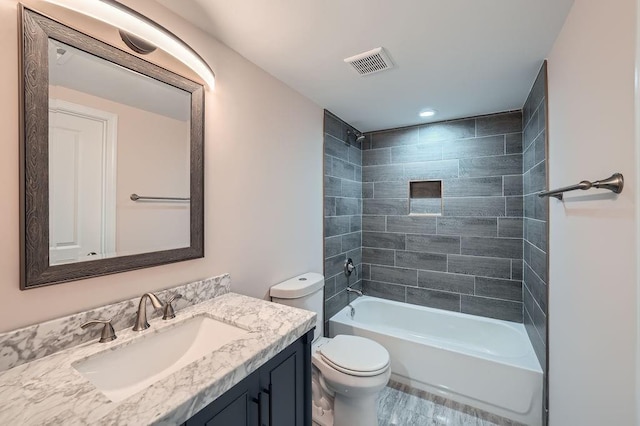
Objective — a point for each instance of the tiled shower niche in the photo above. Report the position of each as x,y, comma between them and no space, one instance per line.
425,197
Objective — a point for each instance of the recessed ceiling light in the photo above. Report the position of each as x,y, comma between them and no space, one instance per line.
427,113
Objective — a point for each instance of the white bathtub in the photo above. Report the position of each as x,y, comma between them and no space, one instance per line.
482,362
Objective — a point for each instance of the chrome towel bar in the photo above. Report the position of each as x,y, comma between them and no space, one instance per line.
615,183
136,197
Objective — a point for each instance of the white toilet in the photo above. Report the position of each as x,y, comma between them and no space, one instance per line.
348,371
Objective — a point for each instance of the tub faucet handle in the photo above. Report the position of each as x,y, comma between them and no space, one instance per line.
108,333
169,313
348,267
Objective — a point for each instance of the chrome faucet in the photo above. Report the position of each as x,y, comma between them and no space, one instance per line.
356,291
141,317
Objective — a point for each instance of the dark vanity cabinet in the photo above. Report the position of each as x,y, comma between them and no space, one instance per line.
277,394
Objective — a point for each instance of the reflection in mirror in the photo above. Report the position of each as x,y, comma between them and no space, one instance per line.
114,132
98,125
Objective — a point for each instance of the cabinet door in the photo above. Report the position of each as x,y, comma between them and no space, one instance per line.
287,380
277,394
285,393
236,407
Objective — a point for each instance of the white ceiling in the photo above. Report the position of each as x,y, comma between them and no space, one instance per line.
460,57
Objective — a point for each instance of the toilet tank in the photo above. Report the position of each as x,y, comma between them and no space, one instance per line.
305,292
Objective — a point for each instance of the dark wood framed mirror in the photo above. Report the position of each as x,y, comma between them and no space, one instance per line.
79,214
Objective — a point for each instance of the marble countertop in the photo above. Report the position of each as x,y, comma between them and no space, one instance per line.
50,391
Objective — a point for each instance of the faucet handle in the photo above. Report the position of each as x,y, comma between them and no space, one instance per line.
108,333
169,313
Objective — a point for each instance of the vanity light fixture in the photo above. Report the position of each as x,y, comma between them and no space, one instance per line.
118,15
427,113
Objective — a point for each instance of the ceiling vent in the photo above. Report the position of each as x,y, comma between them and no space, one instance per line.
370,62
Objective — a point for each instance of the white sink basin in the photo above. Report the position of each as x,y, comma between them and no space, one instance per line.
125,371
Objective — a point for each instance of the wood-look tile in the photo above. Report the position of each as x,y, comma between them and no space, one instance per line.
433,243
418,260
351,189
433,298
332,186
355,156
376,157
376,256
336,225
509,248
397,137
456,283
348,206
342,169
385,206
444,169
367,189
416,153
491,166
332,246
335,147
492,308
386,240
401,405
509,122
394,275
479,266
399,189
513,143
499,288
448,130
412,224
374,223
512,185
390,172
472,187
474,206
510,227
468,226
384,290
474,147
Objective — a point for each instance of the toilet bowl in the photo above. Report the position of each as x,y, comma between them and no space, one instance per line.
348,372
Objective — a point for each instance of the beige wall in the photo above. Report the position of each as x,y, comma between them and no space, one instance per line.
593,305
263,185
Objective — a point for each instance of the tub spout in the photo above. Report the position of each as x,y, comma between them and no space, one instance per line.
356,291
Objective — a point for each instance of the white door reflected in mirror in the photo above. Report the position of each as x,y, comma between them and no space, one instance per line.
82,182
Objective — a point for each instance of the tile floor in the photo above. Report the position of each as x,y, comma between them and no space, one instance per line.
403,406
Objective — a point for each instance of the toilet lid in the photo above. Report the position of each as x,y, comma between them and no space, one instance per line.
355,355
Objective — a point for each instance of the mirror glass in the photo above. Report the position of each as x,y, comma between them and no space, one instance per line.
112,157
114,132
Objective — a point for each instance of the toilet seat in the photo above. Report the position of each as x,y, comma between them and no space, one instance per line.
355,356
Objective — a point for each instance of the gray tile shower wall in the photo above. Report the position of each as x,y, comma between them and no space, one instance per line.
469,257
342,212
535,215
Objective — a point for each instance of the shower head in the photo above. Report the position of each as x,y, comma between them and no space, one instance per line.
358,137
